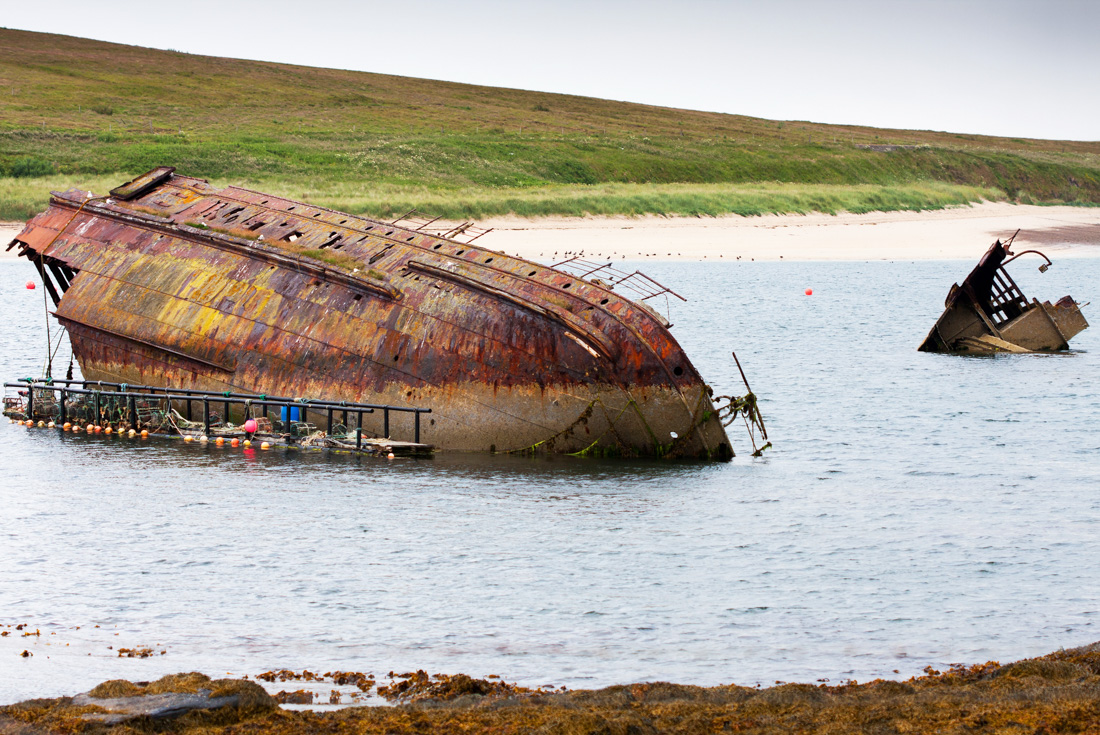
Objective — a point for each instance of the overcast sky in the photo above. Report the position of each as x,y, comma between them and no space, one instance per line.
1004,67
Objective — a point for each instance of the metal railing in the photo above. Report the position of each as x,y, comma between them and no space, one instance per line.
106,395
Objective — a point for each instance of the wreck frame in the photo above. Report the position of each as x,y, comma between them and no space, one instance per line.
170,281
989,314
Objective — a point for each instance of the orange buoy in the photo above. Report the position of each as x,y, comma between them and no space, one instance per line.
51,425
247,443
235,443
108,430
188,438
41,424
809,292
219,441
144,433
28,422
131,433
90,428
389,456
66,426
98,429
265,445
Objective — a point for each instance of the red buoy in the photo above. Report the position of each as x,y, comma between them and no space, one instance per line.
30,285
809,292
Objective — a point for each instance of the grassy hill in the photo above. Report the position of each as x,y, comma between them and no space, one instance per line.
81,112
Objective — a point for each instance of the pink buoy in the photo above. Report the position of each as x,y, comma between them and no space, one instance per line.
809,292
250,426
30,285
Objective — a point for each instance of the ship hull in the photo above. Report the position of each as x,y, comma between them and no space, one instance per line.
509,355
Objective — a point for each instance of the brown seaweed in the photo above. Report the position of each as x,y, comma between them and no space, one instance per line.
1059,692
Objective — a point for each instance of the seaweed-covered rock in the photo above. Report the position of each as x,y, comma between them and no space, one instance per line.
171,696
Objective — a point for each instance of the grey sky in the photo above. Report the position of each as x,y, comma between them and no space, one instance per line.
1007,67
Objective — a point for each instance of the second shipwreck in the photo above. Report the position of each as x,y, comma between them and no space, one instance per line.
989,314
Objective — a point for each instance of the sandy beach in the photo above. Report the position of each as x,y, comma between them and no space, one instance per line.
947,234
956,233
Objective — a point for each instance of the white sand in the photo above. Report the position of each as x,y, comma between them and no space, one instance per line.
956,233
960,232
8,230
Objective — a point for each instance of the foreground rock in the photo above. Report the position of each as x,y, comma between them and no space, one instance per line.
1059,693
119,701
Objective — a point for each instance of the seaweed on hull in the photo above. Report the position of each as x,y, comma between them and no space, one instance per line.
170,281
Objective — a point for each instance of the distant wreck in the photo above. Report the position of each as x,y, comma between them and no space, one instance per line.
169,281
989,314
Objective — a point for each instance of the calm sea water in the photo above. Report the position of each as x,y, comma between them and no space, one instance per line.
916,510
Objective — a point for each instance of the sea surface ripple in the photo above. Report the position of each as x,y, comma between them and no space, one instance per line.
916,510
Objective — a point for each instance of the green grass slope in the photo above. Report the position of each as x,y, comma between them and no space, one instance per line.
81,112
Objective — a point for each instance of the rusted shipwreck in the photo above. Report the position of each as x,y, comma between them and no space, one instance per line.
989,314
171,281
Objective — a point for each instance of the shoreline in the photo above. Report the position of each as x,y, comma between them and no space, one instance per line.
1051,693
955,233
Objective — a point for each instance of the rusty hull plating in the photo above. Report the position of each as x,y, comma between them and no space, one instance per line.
171,281
989,314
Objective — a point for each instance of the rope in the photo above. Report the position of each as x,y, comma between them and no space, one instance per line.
748,409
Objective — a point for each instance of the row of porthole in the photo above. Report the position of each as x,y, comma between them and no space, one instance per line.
438,246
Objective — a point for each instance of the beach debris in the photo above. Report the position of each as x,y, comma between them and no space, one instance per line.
363,682
988,314
139,652
418,686
301,696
